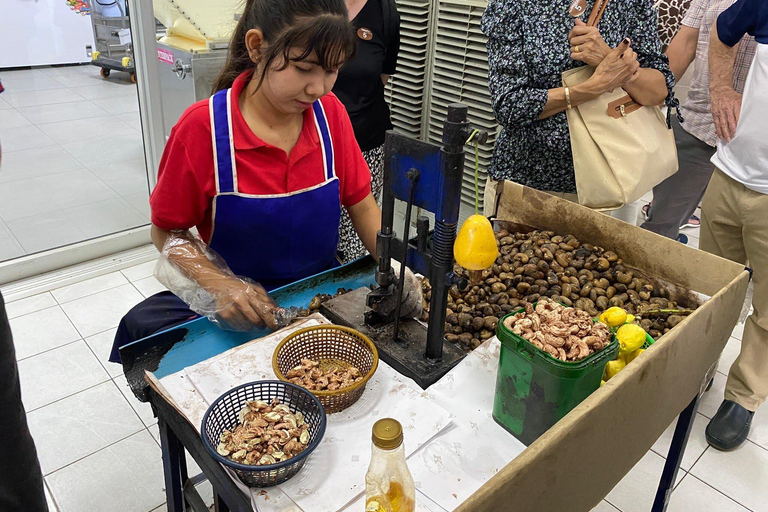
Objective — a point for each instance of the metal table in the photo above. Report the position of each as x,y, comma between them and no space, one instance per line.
172,350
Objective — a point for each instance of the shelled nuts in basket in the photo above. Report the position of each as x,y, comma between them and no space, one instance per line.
267,433
565,333
329,376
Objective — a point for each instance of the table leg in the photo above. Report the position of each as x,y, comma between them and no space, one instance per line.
172,464
675,455
218,504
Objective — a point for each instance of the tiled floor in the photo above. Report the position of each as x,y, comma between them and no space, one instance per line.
73,158
99,450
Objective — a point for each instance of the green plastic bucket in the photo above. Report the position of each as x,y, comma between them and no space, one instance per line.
535,390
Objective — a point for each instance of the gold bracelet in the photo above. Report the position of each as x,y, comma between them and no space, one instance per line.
568,105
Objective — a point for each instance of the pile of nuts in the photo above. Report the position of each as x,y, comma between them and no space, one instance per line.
317,300
313,376
543,264
266,433
565,333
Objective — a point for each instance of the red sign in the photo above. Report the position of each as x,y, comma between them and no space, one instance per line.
164,56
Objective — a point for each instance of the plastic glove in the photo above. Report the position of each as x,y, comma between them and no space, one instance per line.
411,305
201,278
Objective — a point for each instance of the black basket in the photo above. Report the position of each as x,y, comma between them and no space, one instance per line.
223,415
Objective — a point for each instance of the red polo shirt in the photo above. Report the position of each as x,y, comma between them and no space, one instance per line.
186,184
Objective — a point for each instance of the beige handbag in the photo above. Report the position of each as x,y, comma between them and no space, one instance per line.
621,149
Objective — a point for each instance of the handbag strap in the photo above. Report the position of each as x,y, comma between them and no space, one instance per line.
597,12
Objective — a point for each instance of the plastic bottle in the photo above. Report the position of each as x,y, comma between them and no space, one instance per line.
388,483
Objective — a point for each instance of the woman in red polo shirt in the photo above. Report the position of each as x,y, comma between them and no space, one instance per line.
261,169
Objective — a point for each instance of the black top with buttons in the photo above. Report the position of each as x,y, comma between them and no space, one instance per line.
359,85
528,51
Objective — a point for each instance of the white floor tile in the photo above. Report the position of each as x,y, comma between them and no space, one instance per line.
132,119
12,119
149,286
29,305
101,345
107,89
738,331
140,201
4,104
71,111
155,431
604,506
112,147
102,311
58,373
695,495
92,131
89,287
77,80
49,499
82,424
34,98
119,104
125,477
729,355
124,177
69,70
636,491
697,443
46,231
15,74
741,474
141,271
9,247
42,331
712,399
759,431
75,188
106,217
25,137
144,410
24,198
33,163
33,82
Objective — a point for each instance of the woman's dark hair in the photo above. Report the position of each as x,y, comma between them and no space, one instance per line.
318,26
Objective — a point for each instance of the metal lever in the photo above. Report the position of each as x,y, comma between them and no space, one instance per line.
413,176
181,69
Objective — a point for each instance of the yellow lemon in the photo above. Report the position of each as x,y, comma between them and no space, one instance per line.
613,367
475,247
631,357
631,337
615,317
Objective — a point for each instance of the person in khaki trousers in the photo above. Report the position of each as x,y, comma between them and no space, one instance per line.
734,220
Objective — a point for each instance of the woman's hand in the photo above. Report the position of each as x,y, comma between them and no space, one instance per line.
618,69
243,305
587,45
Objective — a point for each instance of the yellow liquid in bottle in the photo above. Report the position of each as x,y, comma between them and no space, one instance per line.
395,500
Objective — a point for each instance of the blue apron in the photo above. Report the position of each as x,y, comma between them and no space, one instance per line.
273,239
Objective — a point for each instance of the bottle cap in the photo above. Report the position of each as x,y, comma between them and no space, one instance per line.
387,434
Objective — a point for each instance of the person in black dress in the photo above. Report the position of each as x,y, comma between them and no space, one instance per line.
360,87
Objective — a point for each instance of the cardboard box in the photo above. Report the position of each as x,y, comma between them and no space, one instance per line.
578,461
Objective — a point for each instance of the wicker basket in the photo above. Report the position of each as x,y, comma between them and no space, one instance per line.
330,345
223,415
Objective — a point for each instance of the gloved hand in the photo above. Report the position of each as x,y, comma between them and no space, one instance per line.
242,304
411,306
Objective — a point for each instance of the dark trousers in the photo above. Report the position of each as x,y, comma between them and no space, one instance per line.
676,198
21,481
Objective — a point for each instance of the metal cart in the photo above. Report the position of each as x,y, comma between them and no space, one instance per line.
113,46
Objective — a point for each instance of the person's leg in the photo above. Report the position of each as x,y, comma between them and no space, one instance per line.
156,313
748,379
676,198
722,234
350,246
21,481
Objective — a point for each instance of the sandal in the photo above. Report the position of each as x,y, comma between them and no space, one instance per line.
693,222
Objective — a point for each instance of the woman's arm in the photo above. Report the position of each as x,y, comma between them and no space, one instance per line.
682,50
366,218
648,88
